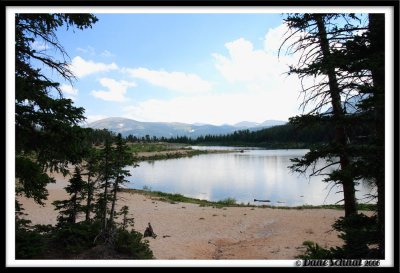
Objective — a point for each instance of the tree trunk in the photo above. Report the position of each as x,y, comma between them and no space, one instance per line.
74,208
124,222
377,39
89,197
105,190
113,200
105,205
338,114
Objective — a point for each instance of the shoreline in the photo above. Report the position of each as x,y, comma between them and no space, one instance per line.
176,197
174,154
192,231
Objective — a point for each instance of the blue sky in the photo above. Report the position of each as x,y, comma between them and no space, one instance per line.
207,68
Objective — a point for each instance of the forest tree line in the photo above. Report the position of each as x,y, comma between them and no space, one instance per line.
281,136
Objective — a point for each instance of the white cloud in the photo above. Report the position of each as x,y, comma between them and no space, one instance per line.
116,90
107,53
39,46
216,109
82,68
88,50
260,70
92,118
176,81
274,37
263,88
69,91
245,64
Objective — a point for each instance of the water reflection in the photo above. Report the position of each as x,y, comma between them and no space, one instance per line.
252,174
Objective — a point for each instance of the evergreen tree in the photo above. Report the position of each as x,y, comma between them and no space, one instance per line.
126,221
92,171
106,175
375,161
355,62
111,173
70,208
364,57
320,35
49,138
122,158
47,131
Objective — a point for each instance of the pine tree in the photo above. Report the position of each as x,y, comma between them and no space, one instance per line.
355,62
320,37
376,160
92,171
122,158
69,209
364,57
106,175
126,221
47,131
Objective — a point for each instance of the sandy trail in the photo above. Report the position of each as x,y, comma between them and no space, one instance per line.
188,231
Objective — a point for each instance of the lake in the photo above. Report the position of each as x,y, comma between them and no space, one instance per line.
244,176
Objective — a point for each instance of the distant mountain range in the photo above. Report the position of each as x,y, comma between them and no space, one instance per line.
172,129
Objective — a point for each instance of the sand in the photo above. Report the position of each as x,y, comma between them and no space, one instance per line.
188,231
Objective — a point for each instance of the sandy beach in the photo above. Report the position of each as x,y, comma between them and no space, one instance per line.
188,231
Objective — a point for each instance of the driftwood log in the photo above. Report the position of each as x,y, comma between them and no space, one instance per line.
149,232
257,200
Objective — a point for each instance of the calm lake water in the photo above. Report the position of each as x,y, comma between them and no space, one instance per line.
245,176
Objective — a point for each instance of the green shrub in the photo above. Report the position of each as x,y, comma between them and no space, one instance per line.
314,251
359,233
146,188
228,201
131,243
29,244
74,238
